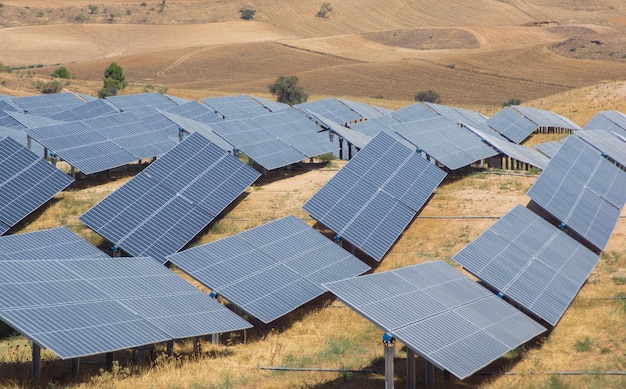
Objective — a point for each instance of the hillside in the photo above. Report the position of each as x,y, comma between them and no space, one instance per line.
474,53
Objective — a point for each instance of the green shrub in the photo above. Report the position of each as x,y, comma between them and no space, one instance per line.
247,13
429,96
325,9
583,345
61,72
49,87
511,102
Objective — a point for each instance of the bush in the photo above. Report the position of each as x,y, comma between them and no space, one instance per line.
61,72
247,13
106,92
324,10
93,9
114,77
288,90
583,345
143,4
49,87
428,96
511,102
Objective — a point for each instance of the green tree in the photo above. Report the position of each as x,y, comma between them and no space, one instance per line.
114,78
324,10
512,102
429,96
61,72
288,90
247,13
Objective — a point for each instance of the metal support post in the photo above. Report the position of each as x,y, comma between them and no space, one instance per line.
75,367
410,369
430,375
215,338
109,361
341,148
36,366
390,353
169,347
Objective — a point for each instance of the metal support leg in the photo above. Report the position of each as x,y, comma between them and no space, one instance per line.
109,361
215,338
75,367
169,347
430,375
36,367
410,369
390,353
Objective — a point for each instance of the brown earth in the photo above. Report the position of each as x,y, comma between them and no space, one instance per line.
478,53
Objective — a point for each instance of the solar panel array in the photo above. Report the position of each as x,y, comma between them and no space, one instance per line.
353,137
53,243
448,319
582,190
512,124
458,115
607,143
276,139
191,126
546,118
413,112
162,208
7,120
26,183
612,121
270,270
513,150
272,106
21,137
31,121
103,143
48,104
530,262
332,109
445,141
142,104
365,110
92,109
235,107
373,198
199,112
78,308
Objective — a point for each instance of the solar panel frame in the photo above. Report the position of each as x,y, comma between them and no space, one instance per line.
439,313
530,262
582,190
47,244
270,270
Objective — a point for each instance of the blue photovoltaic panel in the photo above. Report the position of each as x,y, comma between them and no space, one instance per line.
549,149
59,310
32,121
546,118
26,182
199,112
190,126
331,108
161,209
142,104
458,115
448,319
583,190
372,199
5,119
607,143
48,104
365,110
270,270
353,137
512,125
513,150
272,106
611,121
445,141
21,137
54,243
159,296
413,112
235,107
530,262
80,307
92,109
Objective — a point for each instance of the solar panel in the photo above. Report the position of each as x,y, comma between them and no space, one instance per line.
546,118
191,126
161,209
199,112
159,296
48,104
270,270
445,141
21,137
413,112
353,137
331,108
513,150
365,110
142,104
530,262
5,119
512,125
92,109
53,243
612,121
80,307
388,178
607,143
448,319
235,107
582,190
549,149
272,106
276,139
458,115
31,121
26,182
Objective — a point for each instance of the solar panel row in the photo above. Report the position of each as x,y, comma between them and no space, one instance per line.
54,243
